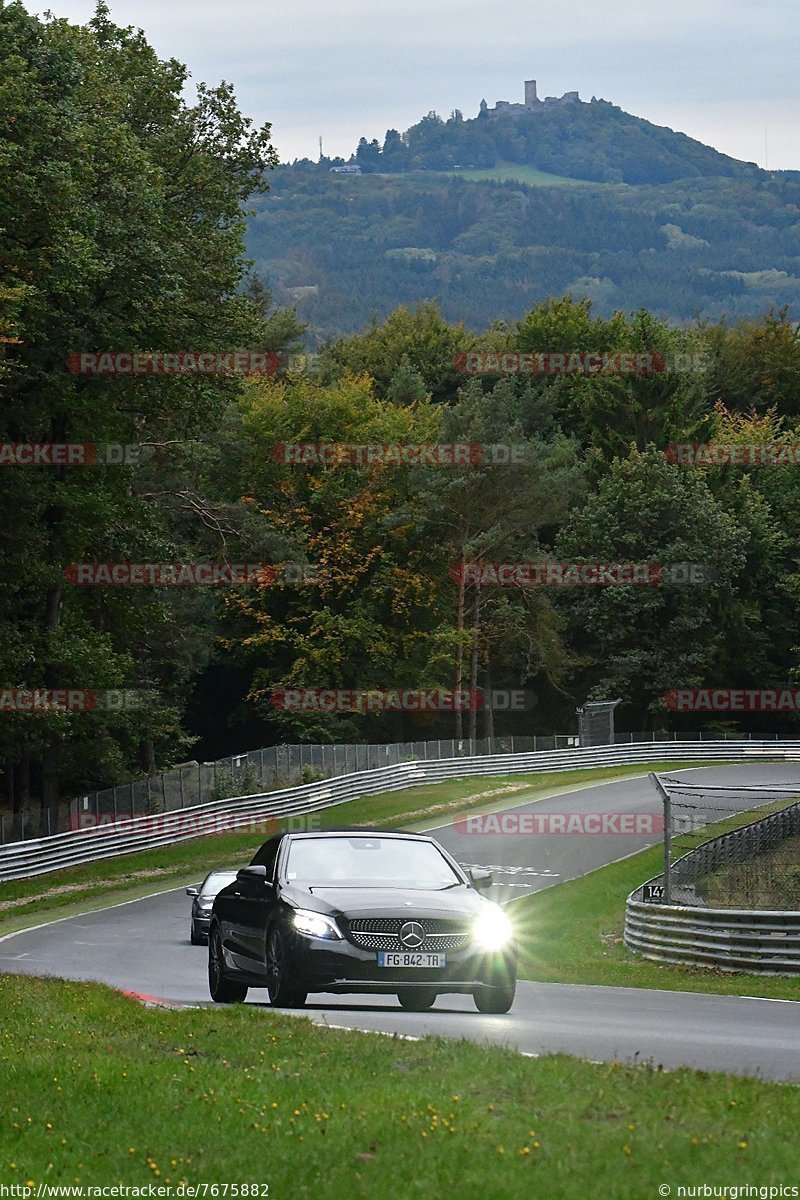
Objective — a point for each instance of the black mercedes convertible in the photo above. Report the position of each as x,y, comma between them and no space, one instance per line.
348,911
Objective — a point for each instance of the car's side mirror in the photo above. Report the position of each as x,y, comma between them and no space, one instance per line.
193,891
481,878
253,873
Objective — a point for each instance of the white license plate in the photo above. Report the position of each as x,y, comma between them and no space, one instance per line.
406,958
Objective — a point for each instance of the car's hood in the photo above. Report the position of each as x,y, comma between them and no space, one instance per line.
391,902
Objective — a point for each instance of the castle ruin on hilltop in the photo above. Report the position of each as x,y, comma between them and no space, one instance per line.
532,103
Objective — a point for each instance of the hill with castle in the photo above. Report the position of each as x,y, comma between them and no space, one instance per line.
491,214
562,135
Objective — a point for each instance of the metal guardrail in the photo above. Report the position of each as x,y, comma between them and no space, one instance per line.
270,768
762,941
22,860
278,767
732,939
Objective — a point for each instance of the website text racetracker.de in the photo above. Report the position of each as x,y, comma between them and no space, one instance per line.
171,362
74,700
199,574
191,1191
71,454
400,454
733,454
579,574
569,362
560,823
189,824
415,700
733,700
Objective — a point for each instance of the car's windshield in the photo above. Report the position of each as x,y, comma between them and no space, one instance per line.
216,882
368,862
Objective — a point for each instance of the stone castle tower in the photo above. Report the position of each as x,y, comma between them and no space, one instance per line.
532,104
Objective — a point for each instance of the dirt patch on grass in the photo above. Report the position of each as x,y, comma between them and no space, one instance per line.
461,802
67,889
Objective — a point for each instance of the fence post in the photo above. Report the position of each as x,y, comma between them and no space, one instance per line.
667,837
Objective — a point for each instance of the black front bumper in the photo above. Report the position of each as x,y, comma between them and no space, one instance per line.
319,965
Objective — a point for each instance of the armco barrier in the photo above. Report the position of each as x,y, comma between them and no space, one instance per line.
22,860
762,941
730,939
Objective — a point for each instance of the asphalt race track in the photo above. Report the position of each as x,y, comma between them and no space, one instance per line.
143,946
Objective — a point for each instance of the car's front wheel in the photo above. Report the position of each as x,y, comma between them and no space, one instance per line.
197,939
284,992
495,999
223,991
417,999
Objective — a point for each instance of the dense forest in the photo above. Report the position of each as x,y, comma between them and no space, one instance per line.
342,249
492,215
122,230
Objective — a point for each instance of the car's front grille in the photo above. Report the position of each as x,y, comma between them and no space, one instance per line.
383,933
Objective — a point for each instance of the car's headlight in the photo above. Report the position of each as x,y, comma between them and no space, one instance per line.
205,906
492,929
315,925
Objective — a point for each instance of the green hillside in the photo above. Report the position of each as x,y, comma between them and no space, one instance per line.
595,141
518,173
344,248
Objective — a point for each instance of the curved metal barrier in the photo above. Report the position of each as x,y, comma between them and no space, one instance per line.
21,860
762,941
732,939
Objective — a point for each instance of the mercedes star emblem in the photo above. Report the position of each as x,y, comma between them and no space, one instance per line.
412,935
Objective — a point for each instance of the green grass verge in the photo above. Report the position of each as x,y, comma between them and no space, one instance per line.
98,1090
80,889
572,933
770,880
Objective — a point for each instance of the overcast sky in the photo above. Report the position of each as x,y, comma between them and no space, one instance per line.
723,71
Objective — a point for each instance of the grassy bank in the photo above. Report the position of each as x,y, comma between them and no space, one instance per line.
98,1090
771,880
521,173
572,933
78,889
